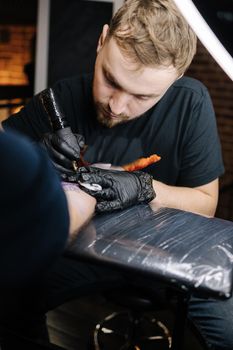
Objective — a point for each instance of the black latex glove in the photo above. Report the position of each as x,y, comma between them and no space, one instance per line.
120,189
64,147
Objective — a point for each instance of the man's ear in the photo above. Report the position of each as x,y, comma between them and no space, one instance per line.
180,76
102,38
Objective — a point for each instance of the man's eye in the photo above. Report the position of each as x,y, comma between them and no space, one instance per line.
109,82
142,98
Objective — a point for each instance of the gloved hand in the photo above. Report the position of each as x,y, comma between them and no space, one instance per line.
120,189
64,148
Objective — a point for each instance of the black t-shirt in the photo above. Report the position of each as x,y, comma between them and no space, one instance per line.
181,128
34,218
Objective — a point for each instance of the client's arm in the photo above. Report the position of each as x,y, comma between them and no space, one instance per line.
34,219
81,207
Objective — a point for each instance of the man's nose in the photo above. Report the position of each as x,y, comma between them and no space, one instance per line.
118,102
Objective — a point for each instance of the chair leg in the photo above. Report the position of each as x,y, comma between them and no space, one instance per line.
180,322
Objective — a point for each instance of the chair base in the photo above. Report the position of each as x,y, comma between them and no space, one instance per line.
126,331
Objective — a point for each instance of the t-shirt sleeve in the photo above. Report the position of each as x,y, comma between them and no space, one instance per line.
31,120
201,160
34,215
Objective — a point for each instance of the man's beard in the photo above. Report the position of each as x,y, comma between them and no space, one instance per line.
103,116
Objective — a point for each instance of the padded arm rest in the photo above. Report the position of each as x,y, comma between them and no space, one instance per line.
188,251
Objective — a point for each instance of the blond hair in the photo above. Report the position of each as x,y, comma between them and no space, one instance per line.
153,33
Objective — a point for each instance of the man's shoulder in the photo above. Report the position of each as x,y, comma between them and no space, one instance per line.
75,82
190,85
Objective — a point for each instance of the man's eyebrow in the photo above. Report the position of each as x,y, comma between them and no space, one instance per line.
109,76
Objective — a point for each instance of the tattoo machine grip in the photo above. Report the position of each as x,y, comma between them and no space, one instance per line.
56,117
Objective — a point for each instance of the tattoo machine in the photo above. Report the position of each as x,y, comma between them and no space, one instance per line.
61,127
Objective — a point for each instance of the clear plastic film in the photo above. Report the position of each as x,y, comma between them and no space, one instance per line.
184,250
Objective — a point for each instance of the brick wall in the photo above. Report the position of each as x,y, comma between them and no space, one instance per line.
220,87
15,52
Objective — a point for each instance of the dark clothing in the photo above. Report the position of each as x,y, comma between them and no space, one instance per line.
181,128
34,219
